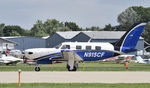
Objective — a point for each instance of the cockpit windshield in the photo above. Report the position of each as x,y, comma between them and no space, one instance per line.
65,47
58,46
62,46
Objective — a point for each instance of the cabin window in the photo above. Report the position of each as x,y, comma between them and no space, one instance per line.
65,47
97,48
88,47
78,47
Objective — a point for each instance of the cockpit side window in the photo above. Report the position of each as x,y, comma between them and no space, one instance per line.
78,47
88,48
97,48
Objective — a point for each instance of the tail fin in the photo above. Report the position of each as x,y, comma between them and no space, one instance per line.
139,59
128,41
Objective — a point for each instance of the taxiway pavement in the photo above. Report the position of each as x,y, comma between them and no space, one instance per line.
77,77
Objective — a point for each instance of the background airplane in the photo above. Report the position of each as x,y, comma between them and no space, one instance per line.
141,60
120,58
9,60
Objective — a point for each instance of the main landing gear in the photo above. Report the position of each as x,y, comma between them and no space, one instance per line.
72,60
72,67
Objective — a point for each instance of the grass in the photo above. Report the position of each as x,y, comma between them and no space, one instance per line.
75,85
89,66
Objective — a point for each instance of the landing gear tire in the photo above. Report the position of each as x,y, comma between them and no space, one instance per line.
37,69
75,67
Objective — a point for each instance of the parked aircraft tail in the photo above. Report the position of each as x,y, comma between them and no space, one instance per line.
129,40
139,59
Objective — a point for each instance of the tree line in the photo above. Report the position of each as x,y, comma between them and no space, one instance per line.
46,28
126,19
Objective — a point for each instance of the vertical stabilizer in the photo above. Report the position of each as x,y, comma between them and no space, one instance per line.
129,40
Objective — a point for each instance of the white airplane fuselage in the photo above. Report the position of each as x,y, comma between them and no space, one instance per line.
39,52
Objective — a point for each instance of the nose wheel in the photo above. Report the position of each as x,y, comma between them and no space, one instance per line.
37,69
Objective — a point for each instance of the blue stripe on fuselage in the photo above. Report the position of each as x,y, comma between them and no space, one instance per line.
94,55
47,60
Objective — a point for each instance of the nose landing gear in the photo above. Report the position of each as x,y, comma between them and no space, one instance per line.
37,68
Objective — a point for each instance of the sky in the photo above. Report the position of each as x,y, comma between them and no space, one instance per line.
85,13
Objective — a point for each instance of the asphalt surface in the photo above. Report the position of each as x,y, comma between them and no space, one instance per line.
76,77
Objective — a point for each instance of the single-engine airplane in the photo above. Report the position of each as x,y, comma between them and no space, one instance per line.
73,52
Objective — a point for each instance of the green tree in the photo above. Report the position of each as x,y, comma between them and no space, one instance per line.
38,29
51,26
2,26
146,32
27,32
93,28
65,29
73,26
143,12
13,30
128,18
108,28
